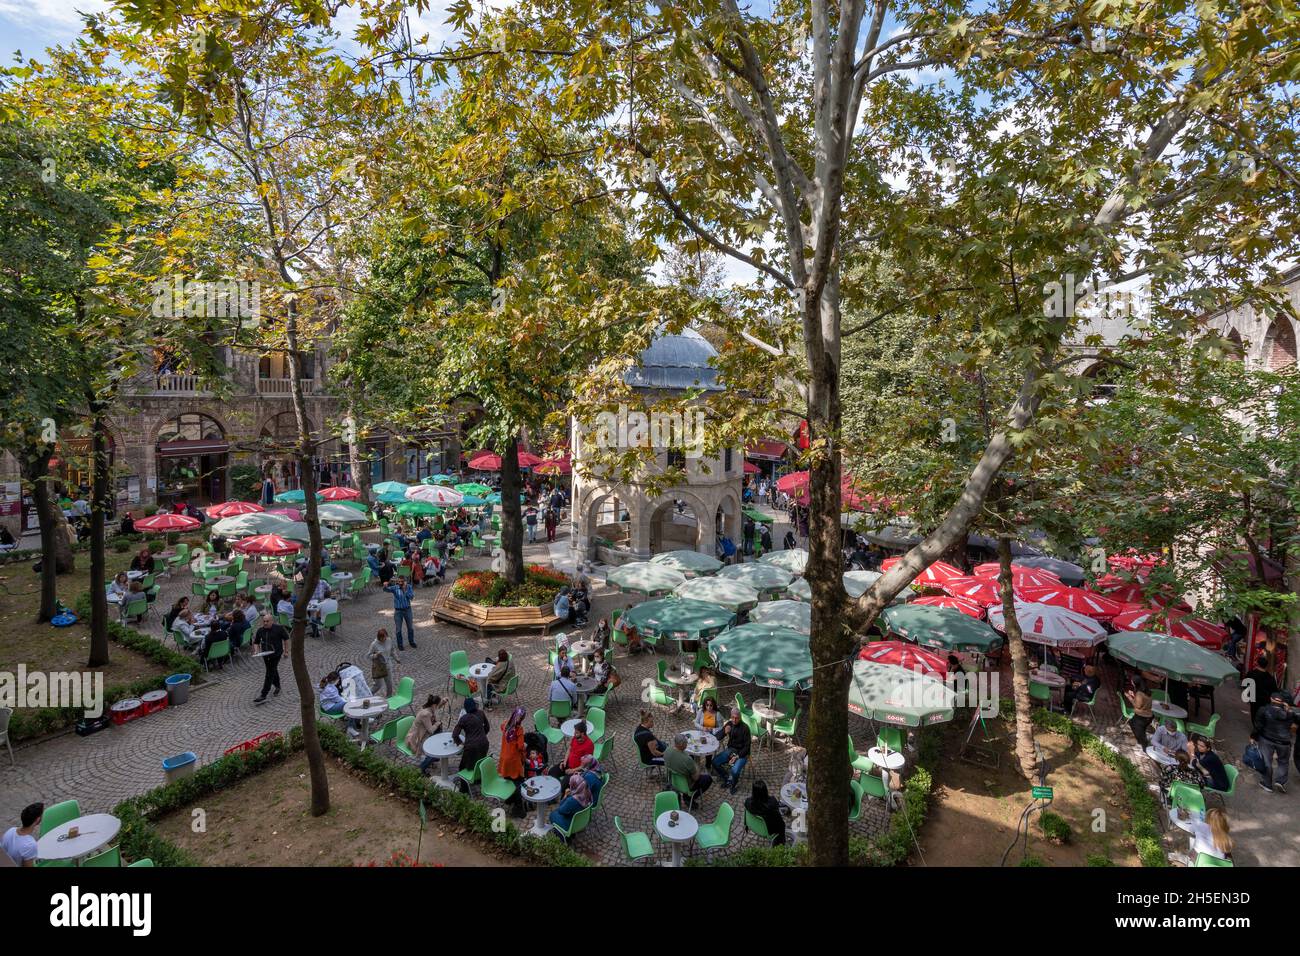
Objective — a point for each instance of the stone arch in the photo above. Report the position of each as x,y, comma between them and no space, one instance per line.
226,431
665,530
597,514
726,516
1238,351
1279,345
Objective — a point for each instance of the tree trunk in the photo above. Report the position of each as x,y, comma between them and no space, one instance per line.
320,785
1026,754
512,522
1292,582
98,507
36,472
359,461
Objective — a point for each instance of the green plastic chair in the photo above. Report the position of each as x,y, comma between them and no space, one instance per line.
147,582
785,701
217,652
1206,730
182,556
715,835
1125,708
1040,693
560,709
595,719
661,677
227,590
741,705
682,787
492,784
403,571
758,827
470,776
58,814
890,737
110,857
1162,695
137,607
460,686
1205,859
241,581
399,736
1232,773
666,800
198,589
554,736
332,620
872,785
405,691
284,620
1186,795
357,586
512,686
324,713
785,726
859,762
604,752
579,823
386,732
145,862
636,846
659,697
459,664
855,810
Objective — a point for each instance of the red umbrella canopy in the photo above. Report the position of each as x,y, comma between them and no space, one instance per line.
965,605
793,483
554,466
1176,623
228,509
934,575
271,544
1120,589
902,654
751,468
982,591
486,461
1021,576
1091,603
339,493
162,522
528,460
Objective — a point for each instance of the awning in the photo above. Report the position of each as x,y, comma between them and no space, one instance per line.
769,449
184,449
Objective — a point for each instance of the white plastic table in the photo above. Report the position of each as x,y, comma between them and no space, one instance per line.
887,761
701,743
1160,757
581,652
363,710
442,746
768,714
683,681
480,673
547,788
134,575
684,831
1166,709
795,796
96,831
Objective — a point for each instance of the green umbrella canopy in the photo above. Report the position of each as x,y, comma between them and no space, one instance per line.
755,515
473,501
855,584
1171,657
764,655
475,488
355,504
760,577
418,508
940,627
297,531
643,577
677,619
688,562
733,595
391,497
795,560
296,496
899,695
245,526
796,615
336,512
439,480
386,487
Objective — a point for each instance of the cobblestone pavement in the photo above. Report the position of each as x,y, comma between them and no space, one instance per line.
106,767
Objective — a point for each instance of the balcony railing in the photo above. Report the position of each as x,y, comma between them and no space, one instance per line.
148,384
284,386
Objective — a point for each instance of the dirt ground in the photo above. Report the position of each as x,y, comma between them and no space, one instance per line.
975,808
264,821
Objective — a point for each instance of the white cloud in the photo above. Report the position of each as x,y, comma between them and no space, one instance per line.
49,13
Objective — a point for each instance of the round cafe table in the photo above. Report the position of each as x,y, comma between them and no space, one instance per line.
363,710
219,580
480,673
1160,757
570,726
582,651
442,746
701,744
262,589
768,714
1166,709
683,832
95,831
683,680
134,575
585,686
545,789
217,565
1049,678
795,796
887,761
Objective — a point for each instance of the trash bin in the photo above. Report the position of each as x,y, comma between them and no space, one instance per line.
178,689
181,765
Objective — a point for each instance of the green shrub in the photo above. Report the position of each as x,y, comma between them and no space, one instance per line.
173,537
150,510
1055,827
155,545
1099,859
121,545
1031,860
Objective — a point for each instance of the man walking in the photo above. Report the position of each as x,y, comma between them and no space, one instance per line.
402,592
530,521
270,638
1275,727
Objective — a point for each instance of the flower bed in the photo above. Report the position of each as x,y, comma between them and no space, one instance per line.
490,589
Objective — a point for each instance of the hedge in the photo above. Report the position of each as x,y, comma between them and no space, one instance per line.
1145,828
26,724
140,840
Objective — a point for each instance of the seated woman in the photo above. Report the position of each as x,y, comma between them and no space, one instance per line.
592,773
708,718
603,671
143,562
331,700
603,633
425,725
1212,836
181,607
119,587
762,805
135,590
1209,765
212,604
576,798
706,680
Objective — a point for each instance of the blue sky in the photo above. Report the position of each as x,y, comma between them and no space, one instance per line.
32,25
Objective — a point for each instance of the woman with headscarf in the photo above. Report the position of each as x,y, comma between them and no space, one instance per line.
576,798
510,765
471,733
593,774
762,805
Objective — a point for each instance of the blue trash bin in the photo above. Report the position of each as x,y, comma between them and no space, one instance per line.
178,689
181,765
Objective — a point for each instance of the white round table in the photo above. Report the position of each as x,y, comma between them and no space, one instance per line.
580,652
218,565
795,796
480,672
893,760
134,575
684,831
363,710
570,726
767,714
443,747
1160,757
341,576
546,789
701,743
683,680
96,831
262,589
585,685
1166,709
1050,678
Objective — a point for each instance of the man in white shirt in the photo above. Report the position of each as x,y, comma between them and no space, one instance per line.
248,607
284,607
19,843
324,608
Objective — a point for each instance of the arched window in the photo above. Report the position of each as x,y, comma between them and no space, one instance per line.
1279,345
191,426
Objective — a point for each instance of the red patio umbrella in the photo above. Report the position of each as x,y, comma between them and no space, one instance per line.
902,654
528,460
1081,601
486,461
268,544
1021,576
934,575
162,522
339,493
554,466
981,591
1176,623
293,514
228,509
751,468
965,605
793,483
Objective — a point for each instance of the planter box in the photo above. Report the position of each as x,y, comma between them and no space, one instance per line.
481,618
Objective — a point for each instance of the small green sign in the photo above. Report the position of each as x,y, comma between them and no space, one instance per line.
1042,793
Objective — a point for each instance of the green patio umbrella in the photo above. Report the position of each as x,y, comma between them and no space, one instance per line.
733,595
763,578
753,514
795,560
899,695
417,508
855,583
796,615
676,619
245,526
391,497
643,577
800,590
478,489
688,562
295,497
773,657
1170,657
473,501
385,487
940,627
336,512
354,503
297,531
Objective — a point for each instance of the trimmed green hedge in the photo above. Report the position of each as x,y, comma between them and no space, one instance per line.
26,724
140,840
1145,827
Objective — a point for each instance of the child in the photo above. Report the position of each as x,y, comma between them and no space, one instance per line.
534,763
